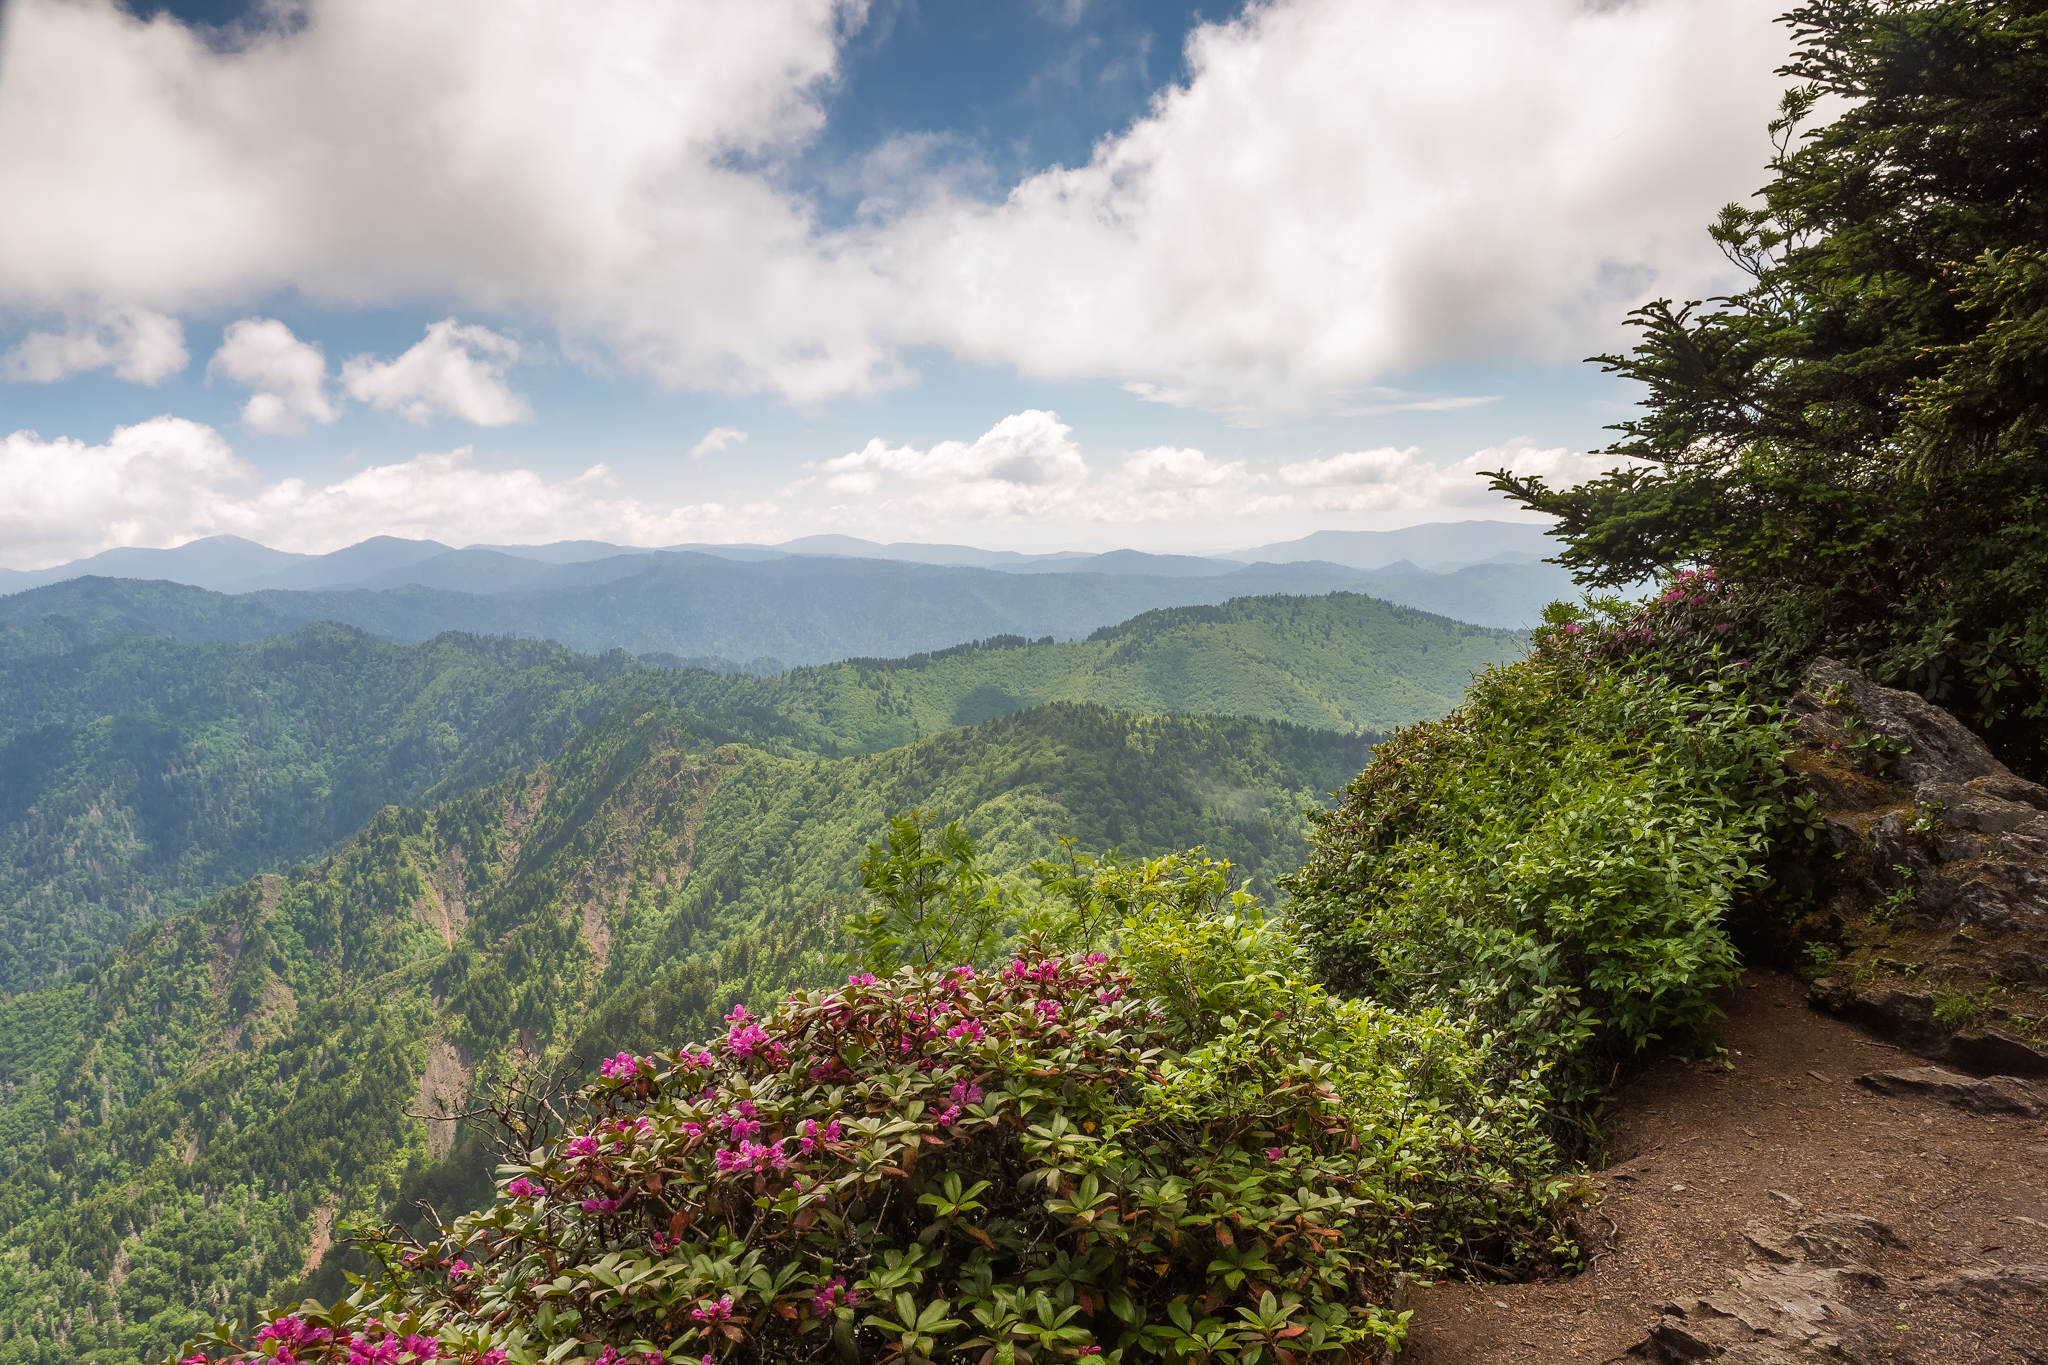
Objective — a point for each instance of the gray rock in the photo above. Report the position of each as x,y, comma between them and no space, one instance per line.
1942,749
1794,1308
1996,1053
1963,833
1999,1095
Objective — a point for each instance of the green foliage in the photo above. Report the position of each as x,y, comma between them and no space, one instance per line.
929,899
1557,857
1855,442
951,1165
177,1115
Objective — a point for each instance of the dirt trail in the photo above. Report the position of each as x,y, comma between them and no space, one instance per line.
1785,1141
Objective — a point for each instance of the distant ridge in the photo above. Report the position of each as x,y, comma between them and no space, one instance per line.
232,564
1456,543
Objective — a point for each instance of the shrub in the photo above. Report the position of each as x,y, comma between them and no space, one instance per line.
1039,1163
1557,857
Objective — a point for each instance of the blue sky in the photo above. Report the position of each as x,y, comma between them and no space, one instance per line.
1073,273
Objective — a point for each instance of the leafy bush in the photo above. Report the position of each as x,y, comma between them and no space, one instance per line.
1039,1163
1557,857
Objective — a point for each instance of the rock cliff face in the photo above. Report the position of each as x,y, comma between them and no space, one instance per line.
1931,881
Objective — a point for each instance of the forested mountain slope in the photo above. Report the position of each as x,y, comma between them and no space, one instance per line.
140,775
183,1124
1341,661
796,610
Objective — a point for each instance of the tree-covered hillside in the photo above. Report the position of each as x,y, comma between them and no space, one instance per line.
1340,662
140,775
184,1123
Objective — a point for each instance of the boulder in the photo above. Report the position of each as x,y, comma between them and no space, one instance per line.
1997,1095
1933,873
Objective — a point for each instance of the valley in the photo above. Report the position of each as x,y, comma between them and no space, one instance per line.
271,904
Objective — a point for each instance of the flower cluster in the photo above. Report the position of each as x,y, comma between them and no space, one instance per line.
893,1157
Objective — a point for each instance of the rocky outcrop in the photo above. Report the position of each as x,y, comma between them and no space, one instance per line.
1815,1293
1997,1095
1934,876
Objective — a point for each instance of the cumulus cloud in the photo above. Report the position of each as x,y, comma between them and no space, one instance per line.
716,440
457,371
140,346
1347,188
1394,480
149,484
1023,466
288,376
169,480
1343,189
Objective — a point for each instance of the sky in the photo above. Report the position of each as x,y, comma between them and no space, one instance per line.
1036,274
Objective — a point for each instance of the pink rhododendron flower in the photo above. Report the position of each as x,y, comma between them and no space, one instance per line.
522,1188
714,1312
422,1348
1274,1153
950,1117
457,1269
363,1351
967,1028
583,1146
834,1294
625,1064
600,1206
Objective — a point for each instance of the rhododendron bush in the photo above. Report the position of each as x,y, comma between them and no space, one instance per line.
1042,1160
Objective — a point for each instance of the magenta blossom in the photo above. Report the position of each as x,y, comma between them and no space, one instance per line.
522,1188
714,1312
834,1294
625,1064
600,1206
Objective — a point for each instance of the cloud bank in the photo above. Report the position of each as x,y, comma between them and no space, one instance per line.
1025,481
1343,190
166,481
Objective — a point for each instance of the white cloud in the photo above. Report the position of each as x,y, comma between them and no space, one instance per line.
288,376
1167,483
1398,480
1347,188
716,440
1024,466
1344,189
150,484
140,346
169,480
458,371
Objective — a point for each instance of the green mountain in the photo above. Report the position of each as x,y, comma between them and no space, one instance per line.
1340,662
184,1124
801,610
140,775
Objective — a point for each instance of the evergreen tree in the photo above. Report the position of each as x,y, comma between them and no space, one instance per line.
1856,441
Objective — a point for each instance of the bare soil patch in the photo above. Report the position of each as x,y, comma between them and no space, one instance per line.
1786,1140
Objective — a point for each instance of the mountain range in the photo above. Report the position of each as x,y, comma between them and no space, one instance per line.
226,563
760,616
142,774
